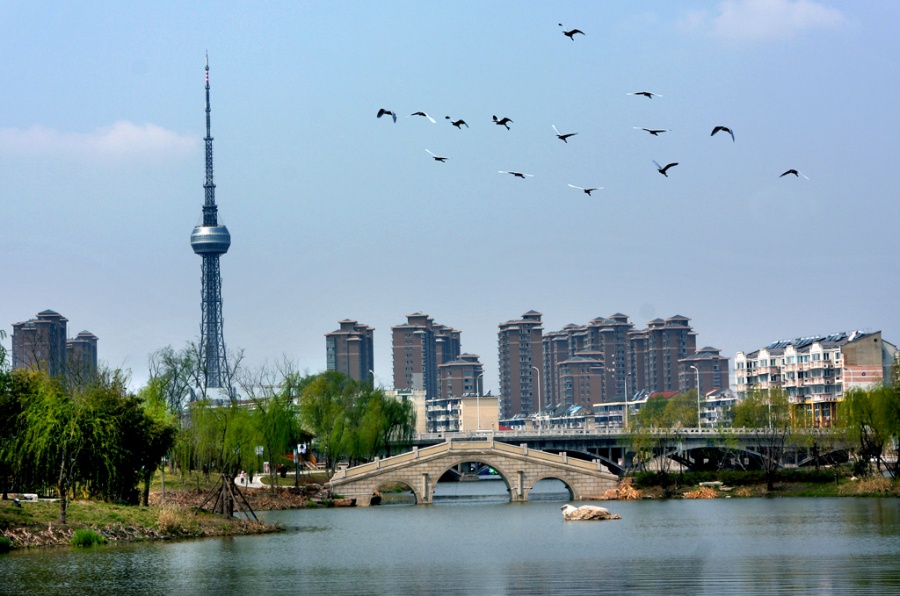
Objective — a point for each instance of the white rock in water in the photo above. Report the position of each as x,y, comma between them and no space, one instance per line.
587,512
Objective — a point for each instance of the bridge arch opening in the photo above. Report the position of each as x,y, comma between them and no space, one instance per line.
394,492
551,489
473,482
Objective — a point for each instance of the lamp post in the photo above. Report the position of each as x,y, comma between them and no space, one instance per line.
538,393
699,419
478,400
625,427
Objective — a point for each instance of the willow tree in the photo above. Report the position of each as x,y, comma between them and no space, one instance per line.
658,429
324,403
221,437
158,430
13,388
375,421
54,435
872,419
766,415
271,391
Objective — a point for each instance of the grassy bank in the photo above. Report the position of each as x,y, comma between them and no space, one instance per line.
37,524
788,483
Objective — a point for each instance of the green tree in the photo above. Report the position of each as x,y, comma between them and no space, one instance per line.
324,403
10,421
819,442
658,430
351,419
272,391
767,415
158,431
375,421
221,437
872,419
53,436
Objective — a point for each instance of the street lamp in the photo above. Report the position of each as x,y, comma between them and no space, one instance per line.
539,393
697,370
627,374
478,400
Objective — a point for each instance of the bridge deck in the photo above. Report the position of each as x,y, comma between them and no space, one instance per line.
464,446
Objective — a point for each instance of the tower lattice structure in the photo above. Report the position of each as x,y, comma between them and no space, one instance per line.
210,240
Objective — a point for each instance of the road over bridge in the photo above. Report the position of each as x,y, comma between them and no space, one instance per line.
520,467
695,449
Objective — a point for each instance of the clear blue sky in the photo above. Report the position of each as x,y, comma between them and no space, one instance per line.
337,214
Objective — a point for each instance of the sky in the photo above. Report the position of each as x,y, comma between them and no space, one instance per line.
336,214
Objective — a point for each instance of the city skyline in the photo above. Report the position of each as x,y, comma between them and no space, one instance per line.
340,214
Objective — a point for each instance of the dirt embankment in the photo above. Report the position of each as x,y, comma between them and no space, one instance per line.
260,499
175,517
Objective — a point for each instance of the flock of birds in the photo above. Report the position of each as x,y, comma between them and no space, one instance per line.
564,137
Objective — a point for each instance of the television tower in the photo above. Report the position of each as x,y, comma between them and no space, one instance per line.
210,240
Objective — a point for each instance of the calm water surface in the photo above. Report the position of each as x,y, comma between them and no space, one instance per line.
468,543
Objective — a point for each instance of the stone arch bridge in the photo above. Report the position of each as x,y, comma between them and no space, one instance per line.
520,467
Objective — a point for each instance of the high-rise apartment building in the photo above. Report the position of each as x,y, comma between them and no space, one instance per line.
626,360
608,340
581,380
81,355
419,346
350,350
667,341
706,366
521,360
41,343
555,350
460,377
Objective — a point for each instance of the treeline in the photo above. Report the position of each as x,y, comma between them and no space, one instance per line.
96,439
93,439
865,427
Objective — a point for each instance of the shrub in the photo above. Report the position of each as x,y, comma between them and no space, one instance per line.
5,544
87,538
169,521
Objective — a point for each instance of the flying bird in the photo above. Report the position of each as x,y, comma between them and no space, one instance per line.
457,123
383,112
586,191
502,122
654,131
795,173
437,157
424,115
646,94
516,174
723,129
571,33
563,137
662,170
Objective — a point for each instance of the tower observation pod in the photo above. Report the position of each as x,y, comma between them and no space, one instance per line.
210,240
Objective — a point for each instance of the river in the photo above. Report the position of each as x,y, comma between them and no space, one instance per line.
472,541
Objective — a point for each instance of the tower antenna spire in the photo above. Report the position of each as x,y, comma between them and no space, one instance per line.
210,211
210,240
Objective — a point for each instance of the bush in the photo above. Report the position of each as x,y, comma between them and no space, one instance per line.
5,544
736,477
87,538
170,521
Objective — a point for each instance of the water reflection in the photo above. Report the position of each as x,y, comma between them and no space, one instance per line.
734,546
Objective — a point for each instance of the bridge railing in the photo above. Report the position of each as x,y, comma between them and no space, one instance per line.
395,460
562,458
464,444
547,433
